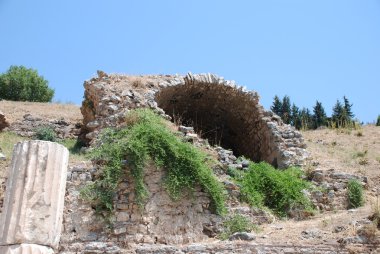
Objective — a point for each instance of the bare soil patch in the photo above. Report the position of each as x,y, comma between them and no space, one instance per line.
15,110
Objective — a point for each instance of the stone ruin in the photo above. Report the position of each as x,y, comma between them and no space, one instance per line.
219,110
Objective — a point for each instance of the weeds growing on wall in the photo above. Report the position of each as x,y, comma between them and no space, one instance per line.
46,133
279,190
130,148
236,223
355,194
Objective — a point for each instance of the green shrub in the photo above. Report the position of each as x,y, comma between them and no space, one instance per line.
46,133
279,190
355,194
378,121
236,223
22,84
146,137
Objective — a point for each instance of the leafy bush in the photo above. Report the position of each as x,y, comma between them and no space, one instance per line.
378,121
281,191
355,194
22,84
146,137
46,133
236,223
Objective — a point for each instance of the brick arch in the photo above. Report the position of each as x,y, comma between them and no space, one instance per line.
223,114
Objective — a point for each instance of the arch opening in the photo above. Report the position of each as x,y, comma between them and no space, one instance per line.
223,115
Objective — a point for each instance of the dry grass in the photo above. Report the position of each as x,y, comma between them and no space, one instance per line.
344,151
15,110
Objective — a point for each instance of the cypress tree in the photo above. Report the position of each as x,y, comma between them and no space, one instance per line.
337,113
286,110
319,115
306,119
296,117
347,107
277,106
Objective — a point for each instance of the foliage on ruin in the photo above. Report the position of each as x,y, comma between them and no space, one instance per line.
46,133
355,194
146,138
279,190
236,223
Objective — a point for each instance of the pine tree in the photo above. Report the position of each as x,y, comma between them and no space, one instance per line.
306,119
338,112
347,107
319,115
277,106
286,110
296,117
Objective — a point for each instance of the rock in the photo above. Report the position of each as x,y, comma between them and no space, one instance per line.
101,247
3,121
338,229
93,124
2,157
353,240
230,185
31,118
26,249
317,176
185,129
35,192
245,163
311,233
242,236
101,74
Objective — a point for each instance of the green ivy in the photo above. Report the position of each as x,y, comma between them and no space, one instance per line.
130,148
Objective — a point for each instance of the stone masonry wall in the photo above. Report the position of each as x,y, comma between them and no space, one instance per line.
161,221
219,110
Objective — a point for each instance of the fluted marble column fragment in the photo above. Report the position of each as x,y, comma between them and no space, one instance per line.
34,198
26,249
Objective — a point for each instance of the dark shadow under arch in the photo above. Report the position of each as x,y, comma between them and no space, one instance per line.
224,115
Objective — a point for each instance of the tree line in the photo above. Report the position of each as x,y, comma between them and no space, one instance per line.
342,115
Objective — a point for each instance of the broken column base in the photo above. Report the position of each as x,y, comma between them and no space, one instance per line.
25,249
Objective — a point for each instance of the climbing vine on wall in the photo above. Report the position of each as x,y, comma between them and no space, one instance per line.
145,138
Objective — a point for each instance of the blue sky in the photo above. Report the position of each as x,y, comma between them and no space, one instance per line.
309,50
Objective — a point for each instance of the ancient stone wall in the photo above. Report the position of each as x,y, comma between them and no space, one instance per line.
218,109
161,221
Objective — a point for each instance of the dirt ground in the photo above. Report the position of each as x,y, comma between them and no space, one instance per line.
351,151
15,110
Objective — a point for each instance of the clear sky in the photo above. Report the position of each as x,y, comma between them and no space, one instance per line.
309,50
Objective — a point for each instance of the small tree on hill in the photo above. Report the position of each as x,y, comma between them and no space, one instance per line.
22,84
319,115
347,107
277,106
306,119
286,110
337,113
296,117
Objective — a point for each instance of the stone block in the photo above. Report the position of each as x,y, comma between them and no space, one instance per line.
34,198
26,249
